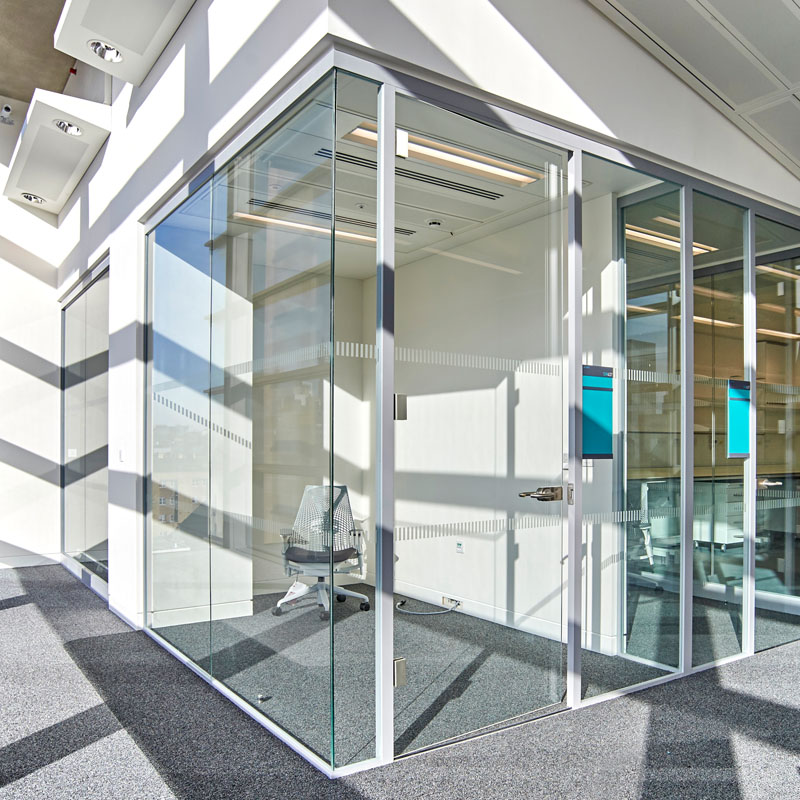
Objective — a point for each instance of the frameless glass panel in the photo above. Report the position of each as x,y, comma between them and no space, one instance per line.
632,433
778,464
177,545
86,428
74,389
718,532
354,422
480,234
273,506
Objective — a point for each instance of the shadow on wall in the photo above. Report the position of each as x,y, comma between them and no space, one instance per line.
28,262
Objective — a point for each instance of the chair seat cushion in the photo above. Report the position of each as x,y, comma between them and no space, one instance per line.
303,556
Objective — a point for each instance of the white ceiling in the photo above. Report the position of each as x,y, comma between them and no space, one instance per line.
743,56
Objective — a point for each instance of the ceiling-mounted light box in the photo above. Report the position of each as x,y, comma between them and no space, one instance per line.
60,137
120,37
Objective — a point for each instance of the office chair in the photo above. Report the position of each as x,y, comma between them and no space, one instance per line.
307,548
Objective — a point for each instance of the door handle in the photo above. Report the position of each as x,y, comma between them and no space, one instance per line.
545,493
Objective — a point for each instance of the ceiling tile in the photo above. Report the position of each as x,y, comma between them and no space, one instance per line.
771,27
704,48
782,123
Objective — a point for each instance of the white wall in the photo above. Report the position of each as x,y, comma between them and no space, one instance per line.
30,450
30,358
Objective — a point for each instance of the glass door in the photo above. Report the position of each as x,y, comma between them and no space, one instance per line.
479,514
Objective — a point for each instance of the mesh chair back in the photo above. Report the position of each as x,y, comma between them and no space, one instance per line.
312,527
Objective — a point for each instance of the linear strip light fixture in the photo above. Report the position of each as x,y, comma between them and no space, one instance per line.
717,323
663,240
717,293
675,223
303,226
643,309
778,309
411,145
795,276
779,334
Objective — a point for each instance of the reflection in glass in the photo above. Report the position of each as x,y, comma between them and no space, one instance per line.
653,437
262,425
777,394
178,547
631,521
479,243
86,428
718,501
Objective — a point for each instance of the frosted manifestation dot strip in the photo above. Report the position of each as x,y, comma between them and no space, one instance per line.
488,527
441,358
648,376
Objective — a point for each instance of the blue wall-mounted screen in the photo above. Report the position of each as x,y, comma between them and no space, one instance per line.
598,412
738,419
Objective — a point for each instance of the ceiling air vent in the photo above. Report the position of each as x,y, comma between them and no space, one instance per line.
368,163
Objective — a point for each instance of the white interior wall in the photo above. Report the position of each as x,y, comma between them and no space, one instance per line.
30,358
30,403
484,423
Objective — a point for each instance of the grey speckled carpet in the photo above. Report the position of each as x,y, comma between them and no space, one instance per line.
464,673
91,709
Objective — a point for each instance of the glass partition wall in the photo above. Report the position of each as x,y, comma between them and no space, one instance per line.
777,586
719,517
85,428
262,493
267,495
478,370
631,491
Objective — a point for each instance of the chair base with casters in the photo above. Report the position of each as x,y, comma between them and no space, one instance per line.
306,549
322,589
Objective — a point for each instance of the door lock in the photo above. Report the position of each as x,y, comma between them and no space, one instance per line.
545,493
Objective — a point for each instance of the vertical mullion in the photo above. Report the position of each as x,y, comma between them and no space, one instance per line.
687,426
331,426
574,359
384,514
751,463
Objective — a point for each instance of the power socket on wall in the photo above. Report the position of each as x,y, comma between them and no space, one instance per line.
449,602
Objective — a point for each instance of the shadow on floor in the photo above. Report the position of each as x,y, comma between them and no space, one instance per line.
730,732
199,743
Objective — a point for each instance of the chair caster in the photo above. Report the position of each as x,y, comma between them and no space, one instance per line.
364,606
324,615
277,611
340,598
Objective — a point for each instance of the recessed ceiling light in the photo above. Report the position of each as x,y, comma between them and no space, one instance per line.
302,226
447,155
663,240
32,198
105,51
67,127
